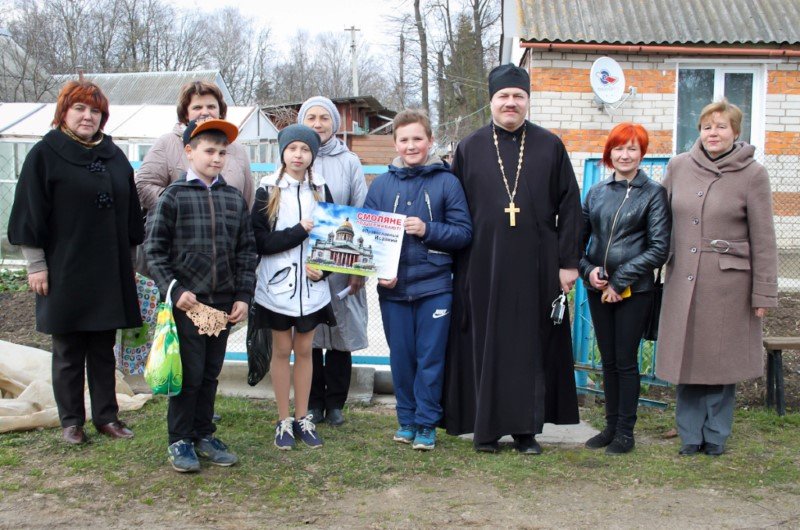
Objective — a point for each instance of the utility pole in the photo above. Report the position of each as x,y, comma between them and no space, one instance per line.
353,57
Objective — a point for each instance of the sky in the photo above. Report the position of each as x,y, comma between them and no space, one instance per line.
285,17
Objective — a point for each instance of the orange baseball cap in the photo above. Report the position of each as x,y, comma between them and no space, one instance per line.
195,127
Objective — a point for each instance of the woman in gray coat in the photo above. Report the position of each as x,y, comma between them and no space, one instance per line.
720,279
342,171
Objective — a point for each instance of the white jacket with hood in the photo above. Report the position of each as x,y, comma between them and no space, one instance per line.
282,283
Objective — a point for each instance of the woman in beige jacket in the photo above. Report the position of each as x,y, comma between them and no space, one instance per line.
165,162
720,279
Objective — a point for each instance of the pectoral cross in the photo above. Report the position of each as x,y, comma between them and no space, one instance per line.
512,210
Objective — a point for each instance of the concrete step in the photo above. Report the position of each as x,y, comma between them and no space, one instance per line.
233,382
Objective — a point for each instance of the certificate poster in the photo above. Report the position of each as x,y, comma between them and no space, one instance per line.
355,240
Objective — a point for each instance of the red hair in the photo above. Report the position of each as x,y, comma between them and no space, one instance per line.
80,92
621,135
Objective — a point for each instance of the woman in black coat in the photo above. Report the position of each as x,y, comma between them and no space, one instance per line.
627,226
76,216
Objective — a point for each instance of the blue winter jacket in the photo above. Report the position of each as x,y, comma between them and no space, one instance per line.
433,194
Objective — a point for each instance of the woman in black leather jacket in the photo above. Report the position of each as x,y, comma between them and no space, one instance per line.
627,226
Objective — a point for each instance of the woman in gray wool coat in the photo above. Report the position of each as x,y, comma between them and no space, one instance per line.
720,279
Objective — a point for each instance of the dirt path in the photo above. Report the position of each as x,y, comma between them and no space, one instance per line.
439,503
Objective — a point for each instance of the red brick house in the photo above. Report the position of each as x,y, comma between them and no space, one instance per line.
679,56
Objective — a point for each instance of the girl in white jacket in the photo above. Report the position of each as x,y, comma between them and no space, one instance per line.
291,298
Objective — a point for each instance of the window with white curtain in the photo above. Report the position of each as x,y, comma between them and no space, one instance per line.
699,85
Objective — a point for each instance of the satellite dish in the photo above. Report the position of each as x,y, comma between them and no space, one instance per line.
607,80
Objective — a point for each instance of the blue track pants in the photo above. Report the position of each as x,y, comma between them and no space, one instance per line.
417,336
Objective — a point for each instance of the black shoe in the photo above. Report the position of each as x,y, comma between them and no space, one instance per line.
488,447
621,444
690,449
714,449
601,439
216,418
526,444
317,416
334,417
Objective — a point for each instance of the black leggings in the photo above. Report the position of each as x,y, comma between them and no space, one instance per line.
618,328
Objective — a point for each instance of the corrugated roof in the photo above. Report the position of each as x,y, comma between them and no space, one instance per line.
721,22
148,88
32,121
369,101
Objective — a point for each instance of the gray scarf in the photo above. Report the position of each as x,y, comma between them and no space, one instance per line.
332,147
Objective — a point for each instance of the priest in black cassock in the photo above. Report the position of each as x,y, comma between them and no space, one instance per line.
509,367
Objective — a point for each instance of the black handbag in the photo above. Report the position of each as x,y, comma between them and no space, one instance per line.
651,329
259,347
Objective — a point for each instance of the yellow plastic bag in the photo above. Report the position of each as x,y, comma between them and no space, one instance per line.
164,371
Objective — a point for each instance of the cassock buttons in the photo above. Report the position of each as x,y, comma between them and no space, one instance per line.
695,221
690,278
699,193
694,249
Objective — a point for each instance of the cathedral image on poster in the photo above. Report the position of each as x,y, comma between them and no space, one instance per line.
341,250
355,240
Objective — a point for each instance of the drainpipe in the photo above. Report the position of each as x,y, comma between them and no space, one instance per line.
675,50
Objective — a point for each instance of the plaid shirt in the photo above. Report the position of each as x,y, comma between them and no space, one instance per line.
201,236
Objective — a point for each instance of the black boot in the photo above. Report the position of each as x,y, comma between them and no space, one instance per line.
601,439
621,444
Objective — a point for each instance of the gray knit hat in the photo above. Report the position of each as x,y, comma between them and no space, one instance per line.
325,103
299,133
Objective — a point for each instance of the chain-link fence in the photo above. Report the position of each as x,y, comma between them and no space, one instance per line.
784,173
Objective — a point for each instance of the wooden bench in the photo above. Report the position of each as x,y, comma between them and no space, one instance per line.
775,391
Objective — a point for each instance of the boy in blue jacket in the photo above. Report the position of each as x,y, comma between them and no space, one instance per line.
415,306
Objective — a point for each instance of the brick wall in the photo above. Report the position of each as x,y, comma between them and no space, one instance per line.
562,101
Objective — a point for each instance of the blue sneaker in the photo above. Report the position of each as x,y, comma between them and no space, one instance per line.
215,451
425,440
405,434
307,431
182,457
284,435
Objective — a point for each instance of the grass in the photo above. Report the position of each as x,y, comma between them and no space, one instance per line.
360,456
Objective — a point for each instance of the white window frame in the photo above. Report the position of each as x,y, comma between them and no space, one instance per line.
722,67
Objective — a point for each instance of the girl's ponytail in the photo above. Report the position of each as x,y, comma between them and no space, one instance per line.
312,186
275,199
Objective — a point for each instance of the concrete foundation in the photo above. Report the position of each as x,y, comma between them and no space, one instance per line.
233,382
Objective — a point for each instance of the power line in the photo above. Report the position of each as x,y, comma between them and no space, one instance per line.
460,118
476,84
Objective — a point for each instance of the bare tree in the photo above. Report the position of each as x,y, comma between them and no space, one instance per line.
181,50
21,76
423,53
293,81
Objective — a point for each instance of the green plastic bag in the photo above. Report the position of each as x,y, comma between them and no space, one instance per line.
164,371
